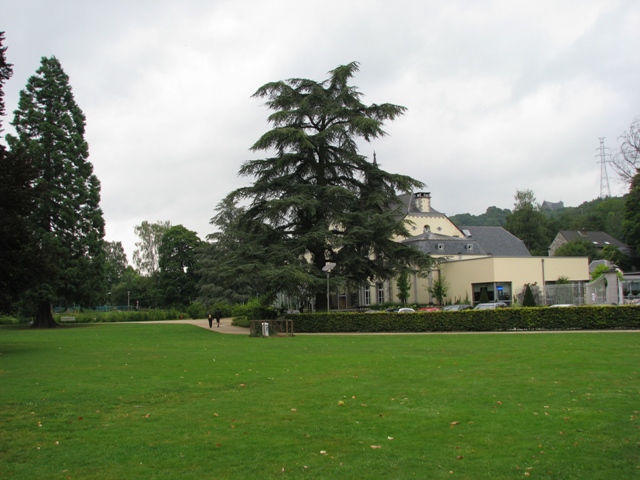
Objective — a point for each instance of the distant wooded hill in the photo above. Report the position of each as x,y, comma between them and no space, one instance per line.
600,215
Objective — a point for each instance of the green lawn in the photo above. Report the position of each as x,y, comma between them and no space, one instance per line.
177,401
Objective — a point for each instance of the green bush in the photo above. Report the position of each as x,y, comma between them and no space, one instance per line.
197,310
528,301
504,319
242,321
7,320
254,310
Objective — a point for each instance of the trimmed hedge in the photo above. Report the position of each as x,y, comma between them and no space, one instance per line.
625,317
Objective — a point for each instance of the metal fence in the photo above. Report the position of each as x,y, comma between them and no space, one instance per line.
597,291
631,291
565,294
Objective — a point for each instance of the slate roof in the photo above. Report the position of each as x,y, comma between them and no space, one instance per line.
599,239
436,244
494,241
408,207
497,241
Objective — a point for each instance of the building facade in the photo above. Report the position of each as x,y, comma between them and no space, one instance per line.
472,260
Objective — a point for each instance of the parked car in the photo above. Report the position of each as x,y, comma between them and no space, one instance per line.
406,310
392,310
429,309
490,306
455,308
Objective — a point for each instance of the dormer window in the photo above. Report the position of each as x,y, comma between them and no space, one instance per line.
440,247
469,246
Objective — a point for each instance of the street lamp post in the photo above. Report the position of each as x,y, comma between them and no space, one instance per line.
544,289
327,268
128,301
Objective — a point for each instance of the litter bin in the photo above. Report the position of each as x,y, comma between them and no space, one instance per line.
265,329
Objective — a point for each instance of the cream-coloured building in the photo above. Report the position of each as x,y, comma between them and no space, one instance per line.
472,260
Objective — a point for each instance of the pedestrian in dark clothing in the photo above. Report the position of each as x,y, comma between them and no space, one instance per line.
218,316
210,318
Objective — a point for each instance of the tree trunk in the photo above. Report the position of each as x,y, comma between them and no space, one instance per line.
44,318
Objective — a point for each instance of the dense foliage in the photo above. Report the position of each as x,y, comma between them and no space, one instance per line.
493,217
528,223
115,263
146,257
600,215
577,248
177,263
403,285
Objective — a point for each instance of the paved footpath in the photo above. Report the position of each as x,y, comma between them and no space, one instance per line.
226,327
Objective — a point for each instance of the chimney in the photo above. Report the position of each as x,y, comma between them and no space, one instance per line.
423,202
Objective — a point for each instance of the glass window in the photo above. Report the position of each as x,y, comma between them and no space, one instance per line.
495,292
380,292
503,292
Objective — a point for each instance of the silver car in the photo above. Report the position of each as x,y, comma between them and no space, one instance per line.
490,306
455,308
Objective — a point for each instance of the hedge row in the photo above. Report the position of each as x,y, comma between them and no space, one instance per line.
500,320
120,316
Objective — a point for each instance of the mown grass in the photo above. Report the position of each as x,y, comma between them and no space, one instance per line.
177,401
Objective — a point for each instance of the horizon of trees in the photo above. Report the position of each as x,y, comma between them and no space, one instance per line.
600,214
316,200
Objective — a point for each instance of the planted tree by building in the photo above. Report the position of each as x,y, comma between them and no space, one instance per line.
316,198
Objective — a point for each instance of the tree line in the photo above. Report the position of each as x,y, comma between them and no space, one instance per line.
314,200
537,227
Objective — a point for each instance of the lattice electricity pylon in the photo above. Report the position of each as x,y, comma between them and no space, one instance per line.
602,155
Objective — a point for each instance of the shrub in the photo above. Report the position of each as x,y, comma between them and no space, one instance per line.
197,310
122,316
254,310
484,296
528,301
504,319
242,321
7,320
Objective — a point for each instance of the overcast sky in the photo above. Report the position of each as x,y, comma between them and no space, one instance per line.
502,95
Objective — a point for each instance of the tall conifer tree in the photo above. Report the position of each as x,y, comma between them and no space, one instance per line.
317,197
65,218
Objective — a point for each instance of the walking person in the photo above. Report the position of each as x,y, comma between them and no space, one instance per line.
210,318
218,316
